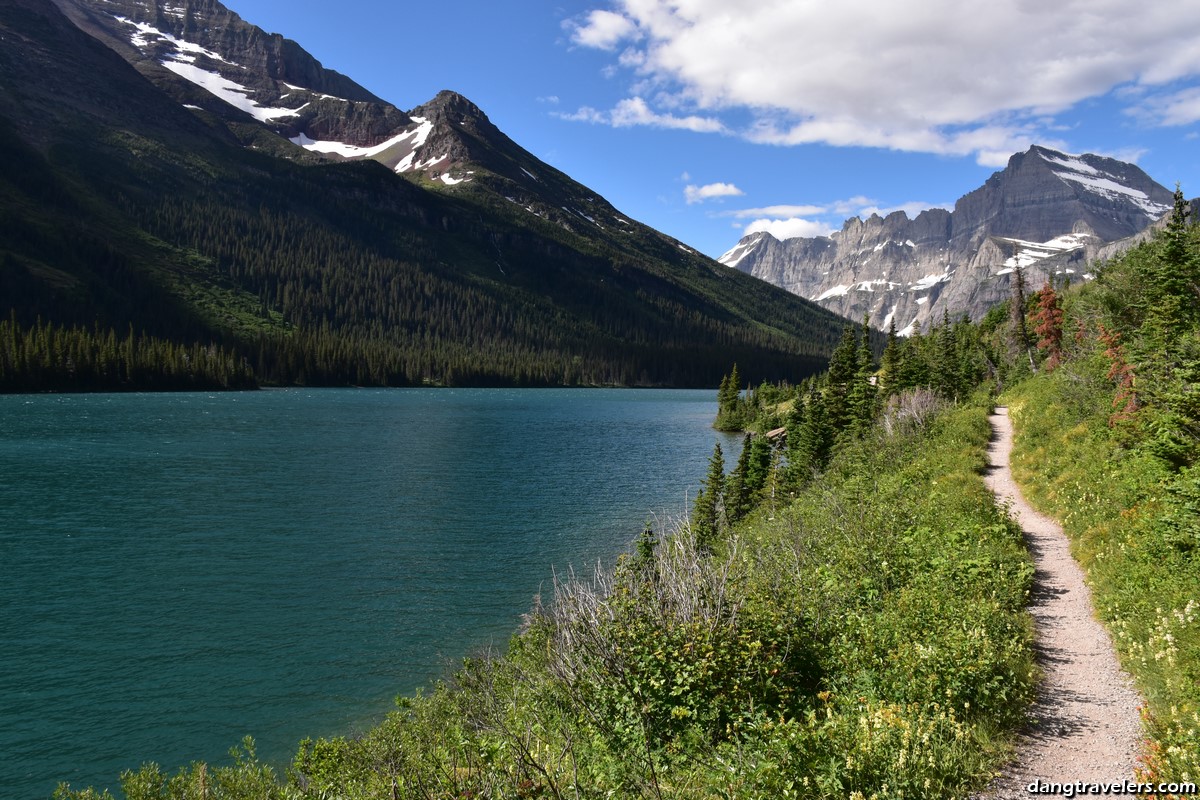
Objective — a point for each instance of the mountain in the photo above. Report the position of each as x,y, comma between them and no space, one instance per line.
208,58
1047,211
149,183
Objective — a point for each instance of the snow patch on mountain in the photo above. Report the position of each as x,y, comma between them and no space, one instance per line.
1106,187
320,95
182,62
142,30
1099,182
738,252
233,93
928,282
418,135
1029,253
834,291
1070,163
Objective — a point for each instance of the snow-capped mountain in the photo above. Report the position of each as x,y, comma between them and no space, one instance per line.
227,66
1047,211
151,185
214,62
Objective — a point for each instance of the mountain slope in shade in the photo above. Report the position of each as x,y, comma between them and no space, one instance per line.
124,206
210,58
1047,211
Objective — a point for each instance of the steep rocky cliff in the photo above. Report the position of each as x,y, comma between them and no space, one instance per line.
1047,211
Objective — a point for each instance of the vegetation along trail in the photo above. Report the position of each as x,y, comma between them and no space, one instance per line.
1084,724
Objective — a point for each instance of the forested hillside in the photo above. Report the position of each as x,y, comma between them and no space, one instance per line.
121,208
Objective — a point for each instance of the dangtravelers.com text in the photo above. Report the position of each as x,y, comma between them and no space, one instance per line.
1116,787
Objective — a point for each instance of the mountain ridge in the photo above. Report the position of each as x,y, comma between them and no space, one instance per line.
134,209
1048,211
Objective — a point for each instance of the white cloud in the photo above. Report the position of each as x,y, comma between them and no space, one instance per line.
698,194
791,221
790,228
858,206
1175,109
942,76
634,111
602,30
584,114
851,205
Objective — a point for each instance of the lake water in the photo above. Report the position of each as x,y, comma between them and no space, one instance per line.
178,571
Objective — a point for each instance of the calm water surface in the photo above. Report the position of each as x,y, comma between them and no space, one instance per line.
178,571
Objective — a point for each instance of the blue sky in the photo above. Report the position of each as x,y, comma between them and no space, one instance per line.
709,118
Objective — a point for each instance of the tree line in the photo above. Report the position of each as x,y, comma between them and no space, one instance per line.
46,357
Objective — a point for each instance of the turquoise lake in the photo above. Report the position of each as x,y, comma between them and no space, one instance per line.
178,571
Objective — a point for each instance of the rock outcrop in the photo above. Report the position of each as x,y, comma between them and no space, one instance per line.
1048,212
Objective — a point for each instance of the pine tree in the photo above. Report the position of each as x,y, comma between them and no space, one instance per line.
759,466
861,396
891,365
709,512
1173,284
1020,341
946,378
843,369
731,412
739,496
815,441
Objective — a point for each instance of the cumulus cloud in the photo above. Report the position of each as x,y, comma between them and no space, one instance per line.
791,221
698,194
941,76
790,228
601,29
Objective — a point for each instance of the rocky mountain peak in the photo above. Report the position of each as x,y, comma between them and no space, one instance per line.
1047,211
452,107
208,58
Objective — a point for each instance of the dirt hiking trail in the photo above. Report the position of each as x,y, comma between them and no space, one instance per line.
1084,725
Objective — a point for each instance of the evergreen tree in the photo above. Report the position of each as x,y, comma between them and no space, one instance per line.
914,369
946,378
1173,282
758,470
731,409
709,512
815,442
861,396
793,480
739,495
892,364
843,369
1020,341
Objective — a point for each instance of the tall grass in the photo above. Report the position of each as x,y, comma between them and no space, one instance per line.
1134,524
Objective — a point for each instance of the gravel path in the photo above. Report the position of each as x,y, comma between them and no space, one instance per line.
1084,725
